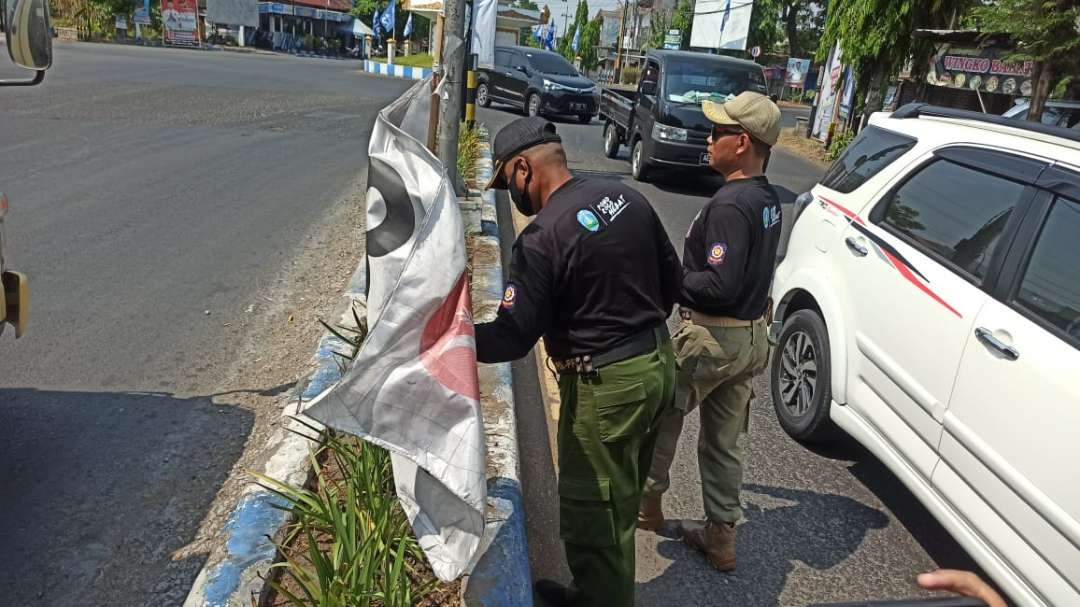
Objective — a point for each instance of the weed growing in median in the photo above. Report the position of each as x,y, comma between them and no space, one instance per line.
468,153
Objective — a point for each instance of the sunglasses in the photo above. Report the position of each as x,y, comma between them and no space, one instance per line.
720,131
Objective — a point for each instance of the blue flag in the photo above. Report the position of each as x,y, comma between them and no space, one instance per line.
538,32
408,26
375,24
549,40
387,19
577,39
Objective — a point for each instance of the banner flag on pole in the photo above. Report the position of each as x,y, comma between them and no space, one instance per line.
408,27
577,38
413,387
387,18
375,27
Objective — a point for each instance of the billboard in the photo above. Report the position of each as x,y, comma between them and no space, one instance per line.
180,22
721,24
233,12
980,69
797,69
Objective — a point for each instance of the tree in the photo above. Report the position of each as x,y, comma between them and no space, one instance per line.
658,25
581,19
683,20
764,25
875,37
525,4
1046,32
803,21
590,40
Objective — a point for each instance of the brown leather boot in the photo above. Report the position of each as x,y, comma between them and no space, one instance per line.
650,516
716,540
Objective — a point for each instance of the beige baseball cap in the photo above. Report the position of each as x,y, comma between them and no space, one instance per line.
754,112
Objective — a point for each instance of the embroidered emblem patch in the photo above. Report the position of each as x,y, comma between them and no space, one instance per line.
588,220
509,296
717,252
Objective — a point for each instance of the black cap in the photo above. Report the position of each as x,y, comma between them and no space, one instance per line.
514,139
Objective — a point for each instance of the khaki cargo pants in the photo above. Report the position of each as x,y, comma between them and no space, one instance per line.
607,429
716,368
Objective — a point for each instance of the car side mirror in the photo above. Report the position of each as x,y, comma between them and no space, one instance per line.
648,87
29,39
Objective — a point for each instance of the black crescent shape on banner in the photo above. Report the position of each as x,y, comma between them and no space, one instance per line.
400,221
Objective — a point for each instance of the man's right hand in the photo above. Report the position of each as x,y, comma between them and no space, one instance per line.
964,583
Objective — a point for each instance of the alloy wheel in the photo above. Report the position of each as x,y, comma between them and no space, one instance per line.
798,373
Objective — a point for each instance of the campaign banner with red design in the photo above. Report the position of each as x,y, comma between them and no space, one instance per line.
180,22
413,386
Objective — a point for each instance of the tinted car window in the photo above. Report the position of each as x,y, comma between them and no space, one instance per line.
502,58
1050,289
696,81
873,150
551,64
954,213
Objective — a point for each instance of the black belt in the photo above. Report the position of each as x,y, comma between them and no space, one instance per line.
635,345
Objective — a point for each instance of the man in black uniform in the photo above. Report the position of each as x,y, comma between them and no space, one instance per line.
721,343
596,276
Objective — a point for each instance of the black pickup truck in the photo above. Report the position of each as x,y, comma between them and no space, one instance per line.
661,118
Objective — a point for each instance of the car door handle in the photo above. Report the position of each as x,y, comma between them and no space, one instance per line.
988,338
855,247
507,74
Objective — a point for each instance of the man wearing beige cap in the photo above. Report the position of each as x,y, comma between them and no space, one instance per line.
721,342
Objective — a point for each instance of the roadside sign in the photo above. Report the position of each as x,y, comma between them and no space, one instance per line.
673,40
121,22
755,52
142,16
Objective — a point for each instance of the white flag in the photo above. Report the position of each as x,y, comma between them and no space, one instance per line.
413,387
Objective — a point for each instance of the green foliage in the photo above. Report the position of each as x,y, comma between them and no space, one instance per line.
659,26
803,23
468,152
581,19
590,40
765,30
415,60
839,143
526,4
683,19
352,545
875,35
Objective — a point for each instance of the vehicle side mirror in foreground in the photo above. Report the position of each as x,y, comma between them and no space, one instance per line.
29,37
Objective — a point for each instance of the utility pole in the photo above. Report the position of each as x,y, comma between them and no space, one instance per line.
619,42
453,72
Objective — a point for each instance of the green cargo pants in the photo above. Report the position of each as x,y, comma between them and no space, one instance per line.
716,368
607,429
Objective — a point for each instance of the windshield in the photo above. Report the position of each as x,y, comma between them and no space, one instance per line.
551,64
694,82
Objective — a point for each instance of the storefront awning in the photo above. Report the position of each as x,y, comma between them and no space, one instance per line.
280,8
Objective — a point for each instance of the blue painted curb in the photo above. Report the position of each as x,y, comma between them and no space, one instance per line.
396,71
501,577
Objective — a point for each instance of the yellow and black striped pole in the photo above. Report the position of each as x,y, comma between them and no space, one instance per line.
470,96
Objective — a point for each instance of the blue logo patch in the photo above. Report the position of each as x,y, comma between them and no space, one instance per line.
765,217
587,219
717,252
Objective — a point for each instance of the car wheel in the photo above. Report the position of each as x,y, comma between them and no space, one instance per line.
801,378
611,140
585,118
482,98
639,166
532,104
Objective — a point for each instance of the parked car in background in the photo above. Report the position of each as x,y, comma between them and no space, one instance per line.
537,82
1065,114
661,119
928,304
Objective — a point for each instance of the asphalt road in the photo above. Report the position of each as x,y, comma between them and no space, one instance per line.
158,199
821,526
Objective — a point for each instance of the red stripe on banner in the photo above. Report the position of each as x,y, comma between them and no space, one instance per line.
906,273
845,211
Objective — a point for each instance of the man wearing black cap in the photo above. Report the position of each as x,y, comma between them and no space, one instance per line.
596,276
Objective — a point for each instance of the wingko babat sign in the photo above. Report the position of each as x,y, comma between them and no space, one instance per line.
980,69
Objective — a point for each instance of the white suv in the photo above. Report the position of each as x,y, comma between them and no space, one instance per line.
928,304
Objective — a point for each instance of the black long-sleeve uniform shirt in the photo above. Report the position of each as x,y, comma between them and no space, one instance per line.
730,251
594,267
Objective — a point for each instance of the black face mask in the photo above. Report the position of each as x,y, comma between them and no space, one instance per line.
520,198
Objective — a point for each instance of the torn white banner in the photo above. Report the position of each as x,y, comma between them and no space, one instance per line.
413,387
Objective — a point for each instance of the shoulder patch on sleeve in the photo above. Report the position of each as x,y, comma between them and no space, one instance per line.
588,220
509,297
717,253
